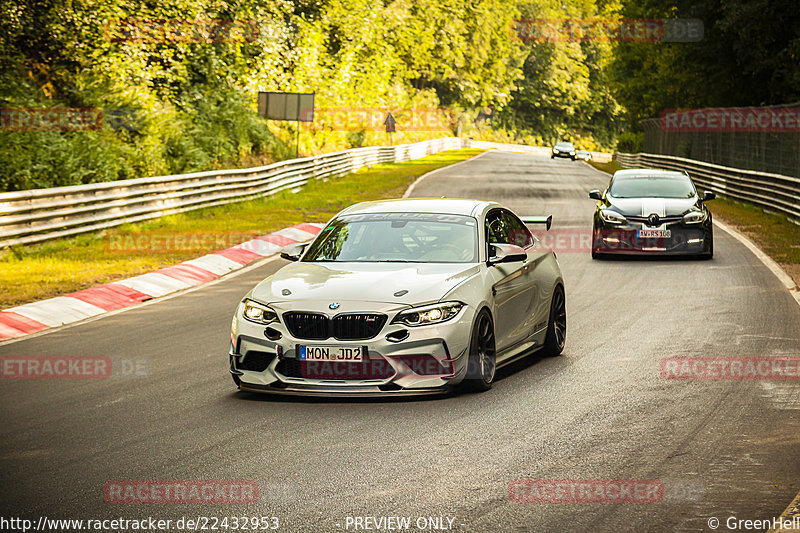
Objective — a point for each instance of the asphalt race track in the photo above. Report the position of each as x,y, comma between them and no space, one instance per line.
601,411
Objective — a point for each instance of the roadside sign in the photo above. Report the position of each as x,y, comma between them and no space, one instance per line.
390,123
286,106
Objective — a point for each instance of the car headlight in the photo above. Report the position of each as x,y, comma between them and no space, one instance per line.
694,217
612,217
572,152
429,314
258,313
555,150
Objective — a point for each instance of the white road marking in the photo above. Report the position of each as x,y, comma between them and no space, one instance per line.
154,284
214,263
57,311
260,247
419,179
296,234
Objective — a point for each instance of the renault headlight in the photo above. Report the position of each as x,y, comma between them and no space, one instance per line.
258,313
612,217
694,217
429,314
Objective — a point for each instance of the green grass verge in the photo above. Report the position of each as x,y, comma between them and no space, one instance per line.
773,233
610,167
35,272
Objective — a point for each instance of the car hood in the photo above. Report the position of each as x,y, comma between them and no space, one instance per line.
647,206
376,282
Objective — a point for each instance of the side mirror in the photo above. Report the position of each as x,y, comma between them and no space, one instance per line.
506,253
708,195
595,195
292,252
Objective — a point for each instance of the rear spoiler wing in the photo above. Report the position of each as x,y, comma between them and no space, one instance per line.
547,221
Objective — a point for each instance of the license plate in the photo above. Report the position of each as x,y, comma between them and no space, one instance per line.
654,233
330,353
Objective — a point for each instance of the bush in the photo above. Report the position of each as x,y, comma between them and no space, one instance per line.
630,142
221,132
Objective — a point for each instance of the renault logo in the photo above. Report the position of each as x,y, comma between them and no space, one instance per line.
334,305
653,220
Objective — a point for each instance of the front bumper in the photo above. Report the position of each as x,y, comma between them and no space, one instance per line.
623,240
429,360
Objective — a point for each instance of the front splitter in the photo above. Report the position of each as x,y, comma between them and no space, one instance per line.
342,392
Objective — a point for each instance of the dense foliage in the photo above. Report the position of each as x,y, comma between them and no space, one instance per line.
172,103
749,56
189,104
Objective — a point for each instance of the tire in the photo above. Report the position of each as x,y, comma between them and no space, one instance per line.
557,325
595,255
482,362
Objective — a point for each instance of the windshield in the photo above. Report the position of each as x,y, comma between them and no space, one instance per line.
677,186
565,146
397,237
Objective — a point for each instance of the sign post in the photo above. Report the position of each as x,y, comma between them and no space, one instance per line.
390,125
296,107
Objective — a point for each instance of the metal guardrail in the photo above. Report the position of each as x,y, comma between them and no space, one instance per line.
42,214
773,192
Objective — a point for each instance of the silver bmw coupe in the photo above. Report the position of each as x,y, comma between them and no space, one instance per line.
411,296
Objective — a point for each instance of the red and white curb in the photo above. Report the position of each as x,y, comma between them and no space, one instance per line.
53,312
